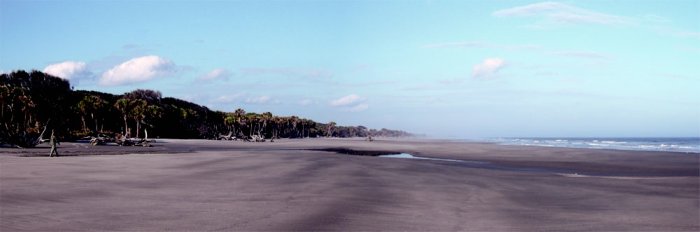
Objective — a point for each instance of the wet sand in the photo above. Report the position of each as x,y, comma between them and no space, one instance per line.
197,185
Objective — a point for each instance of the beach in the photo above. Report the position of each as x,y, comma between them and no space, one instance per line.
306,184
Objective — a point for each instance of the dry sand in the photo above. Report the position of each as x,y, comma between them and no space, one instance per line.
197,185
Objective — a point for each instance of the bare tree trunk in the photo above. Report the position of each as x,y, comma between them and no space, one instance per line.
41,136
82,118
138,128
94,119
126,127
262,128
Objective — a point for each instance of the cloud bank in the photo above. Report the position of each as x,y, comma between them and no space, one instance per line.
488,67
137,70
69,70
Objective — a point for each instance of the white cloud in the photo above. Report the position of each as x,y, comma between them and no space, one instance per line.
347,100
352,103
488,67
69,70
218,73
562,13
136,70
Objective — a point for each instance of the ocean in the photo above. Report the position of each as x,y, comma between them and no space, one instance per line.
685,145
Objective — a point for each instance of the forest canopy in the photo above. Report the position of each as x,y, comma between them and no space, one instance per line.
33,102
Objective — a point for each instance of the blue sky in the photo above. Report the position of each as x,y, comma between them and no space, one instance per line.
450,69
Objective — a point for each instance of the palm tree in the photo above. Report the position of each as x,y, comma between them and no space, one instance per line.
238,116
83,107
265,118
98,107
4,97
124,106
294,120
303,127
143,103
252,119
92,105
275,121
138,113
306,126
229,121
152,111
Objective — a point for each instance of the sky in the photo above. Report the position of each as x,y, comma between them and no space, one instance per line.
445,69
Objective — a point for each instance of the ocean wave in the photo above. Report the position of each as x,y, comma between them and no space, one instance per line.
613,142
686,145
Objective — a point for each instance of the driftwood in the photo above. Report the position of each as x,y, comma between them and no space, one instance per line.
41,136
258,138
227,137
98,141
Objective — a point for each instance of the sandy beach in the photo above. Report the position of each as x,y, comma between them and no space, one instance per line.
302,184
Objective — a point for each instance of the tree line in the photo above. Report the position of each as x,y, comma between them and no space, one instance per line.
33,102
